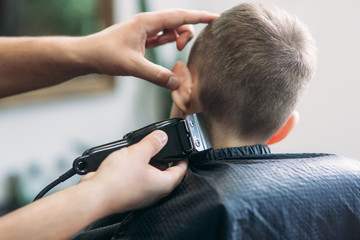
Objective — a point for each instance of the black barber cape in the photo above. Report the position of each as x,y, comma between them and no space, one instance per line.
248,193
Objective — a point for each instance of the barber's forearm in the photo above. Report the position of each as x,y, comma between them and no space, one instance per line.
29,63
58,216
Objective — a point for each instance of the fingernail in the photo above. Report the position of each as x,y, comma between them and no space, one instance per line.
173,83
161,137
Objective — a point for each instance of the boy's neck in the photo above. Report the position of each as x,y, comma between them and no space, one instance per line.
222,137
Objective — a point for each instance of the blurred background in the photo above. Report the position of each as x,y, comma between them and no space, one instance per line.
42,132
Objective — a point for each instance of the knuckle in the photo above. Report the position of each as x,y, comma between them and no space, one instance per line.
178,11
160,77
142,17
123,152
153,145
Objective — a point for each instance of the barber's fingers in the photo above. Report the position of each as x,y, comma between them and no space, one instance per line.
175,174
185,34
168,35
155,22
174,18
182,35
155,74
150,145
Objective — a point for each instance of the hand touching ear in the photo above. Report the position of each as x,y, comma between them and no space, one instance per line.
120,48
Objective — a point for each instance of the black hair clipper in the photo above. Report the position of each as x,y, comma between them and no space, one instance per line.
184,136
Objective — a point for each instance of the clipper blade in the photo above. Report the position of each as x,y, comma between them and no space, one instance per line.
198,131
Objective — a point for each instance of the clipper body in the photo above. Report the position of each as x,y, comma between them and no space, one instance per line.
184,137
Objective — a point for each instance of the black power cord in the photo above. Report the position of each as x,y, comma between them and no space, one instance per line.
61,179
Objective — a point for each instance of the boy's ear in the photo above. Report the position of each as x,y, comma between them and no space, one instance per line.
286,129
182,95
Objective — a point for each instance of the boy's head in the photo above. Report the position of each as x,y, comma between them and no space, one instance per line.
246,72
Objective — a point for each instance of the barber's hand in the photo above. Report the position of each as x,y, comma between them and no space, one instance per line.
120,49
126,181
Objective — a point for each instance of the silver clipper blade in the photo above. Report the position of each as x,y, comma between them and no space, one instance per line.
199,135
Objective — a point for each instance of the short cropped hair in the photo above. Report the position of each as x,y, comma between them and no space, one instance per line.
253,64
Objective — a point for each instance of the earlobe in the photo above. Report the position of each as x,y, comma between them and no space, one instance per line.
286,129
182,95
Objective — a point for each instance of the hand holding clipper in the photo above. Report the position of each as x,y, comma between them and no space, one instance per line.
184,136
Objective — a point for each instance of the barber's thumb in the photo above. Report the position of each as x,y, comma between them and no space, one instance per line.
152,143
158,75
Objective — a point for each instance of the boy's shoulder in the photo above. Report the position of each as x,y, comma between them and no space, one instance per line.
259,196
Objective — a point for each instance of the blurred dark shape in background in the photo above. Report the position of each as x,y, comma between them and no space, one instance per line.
60,17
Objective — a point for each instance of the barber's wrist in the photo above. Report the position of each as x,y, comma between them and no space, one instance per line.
82,54
94,201
103,199
90,51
